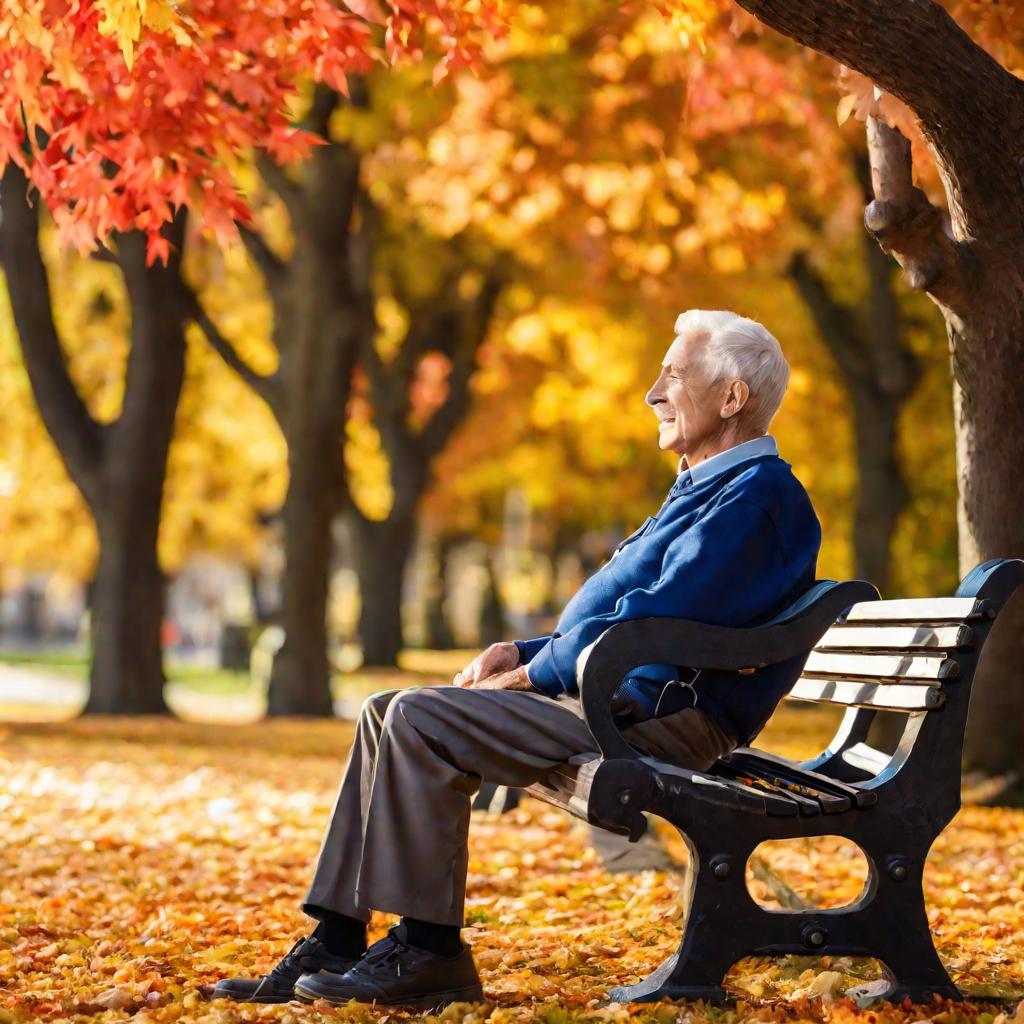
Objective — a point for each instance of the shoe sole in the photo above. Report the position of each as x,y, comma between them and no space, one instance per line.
240,997
472,994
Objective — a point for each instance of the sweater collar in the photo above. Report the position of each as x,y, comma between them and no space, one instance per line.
723,461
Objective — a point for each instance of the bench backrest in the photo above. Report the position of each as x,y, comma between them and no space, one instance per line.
893,655
917,656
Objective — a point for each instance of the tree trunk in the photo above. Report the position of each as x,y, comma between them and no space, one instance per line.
300,677
127,673
118,467
881,492
989,411
381,553
126,676
492,608
880,372
320,317
970,110
438,629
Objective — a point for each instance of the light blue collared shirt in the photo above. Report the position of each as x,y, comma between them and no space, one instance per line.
719,463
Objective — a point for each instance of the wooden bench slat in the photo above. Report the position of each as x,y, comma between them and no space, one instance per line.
881,666
896,637
746,757
772,803
809,803
917,609
865,694
866,757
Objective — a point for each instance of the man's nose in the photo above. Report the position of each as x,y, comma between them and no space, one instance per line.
654,395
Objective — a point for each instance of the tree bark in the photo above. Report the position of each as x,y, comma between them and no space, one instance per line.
126,674
300,677
971,112
119,467
382,553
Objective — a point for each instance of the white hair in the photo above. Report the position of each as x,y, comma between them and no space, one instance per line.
741,348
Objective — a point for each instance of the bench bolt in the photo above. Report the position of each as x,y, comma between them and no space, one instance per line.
814,936
897,870
625,796
721,868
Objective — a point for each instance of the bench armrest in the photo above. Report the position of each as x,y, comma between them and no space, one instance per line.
603,665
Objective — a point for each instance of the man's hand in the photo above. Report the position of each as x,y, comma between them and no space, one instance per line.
516,679
500,657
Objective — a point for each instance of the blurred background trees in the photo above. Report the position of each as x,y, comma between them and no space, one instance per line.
401,403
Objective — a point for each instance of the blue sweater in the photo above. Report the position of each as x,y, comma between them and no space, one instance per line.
730,548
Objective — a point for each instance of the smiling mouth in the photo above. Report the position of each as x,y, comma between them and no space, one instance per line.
665,423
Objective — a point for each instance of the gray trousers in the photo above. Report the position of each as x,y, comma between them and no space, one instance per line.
397,839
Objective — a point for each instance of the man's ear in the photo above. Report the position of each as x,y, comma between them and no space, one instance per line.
735,398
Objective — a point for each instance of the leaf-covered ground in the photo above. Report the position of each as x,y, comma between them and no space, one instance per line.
143,860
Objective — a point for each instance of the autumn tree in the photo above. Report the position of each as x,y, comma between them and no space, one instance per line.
966,105
118,116
325,295
225,468
879,369
118,466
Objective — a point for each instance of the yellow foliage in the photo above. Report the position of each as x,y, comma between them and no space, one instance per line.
226,462
125,19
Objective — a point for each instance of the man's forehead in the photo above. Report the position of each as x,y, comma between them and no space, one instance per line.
684,347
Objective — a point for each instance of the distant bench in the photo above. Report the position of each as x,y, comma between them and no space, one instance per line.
917,656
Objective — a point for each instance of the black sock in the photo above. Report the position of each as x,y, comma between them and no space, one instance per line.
342,935
442,939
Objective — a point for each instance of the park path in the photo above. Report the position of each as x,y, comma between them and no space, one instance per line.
28,693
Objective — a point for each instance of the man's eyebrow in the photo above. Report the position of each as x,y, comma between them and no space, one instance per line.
673,366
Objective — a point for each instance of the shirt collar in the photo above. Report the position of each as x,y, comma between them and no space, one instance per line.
719,463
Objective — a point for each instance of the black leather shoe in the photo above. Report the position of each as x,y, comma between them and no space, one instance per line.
306,957
393,973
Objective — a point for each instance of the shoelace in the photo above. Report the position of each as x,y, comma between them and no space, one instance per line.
383,953
289,969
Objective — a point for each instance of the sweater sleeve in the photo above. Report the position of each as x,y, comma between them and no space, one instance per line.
528,648
727,569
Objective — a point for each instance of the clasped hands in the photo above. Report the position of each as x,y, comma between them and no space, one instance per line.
496,668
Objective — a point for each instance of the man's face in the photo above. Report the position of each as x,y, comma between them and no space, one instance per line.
688,407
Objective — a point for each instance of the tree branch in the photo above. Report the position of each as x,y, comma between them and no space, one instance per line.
909,227
265,385
318,117
475,323
966,102
274,175
155,370
835,321
270,265
78,437
897,368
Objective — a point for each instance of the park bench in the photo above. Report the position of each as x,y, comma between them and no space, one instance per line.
916,657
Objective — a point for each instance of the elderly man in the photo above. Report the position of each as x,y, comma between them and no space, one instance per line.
734,542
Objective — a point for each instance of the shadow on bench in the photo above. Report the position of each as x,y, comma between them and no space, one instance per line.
916,656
